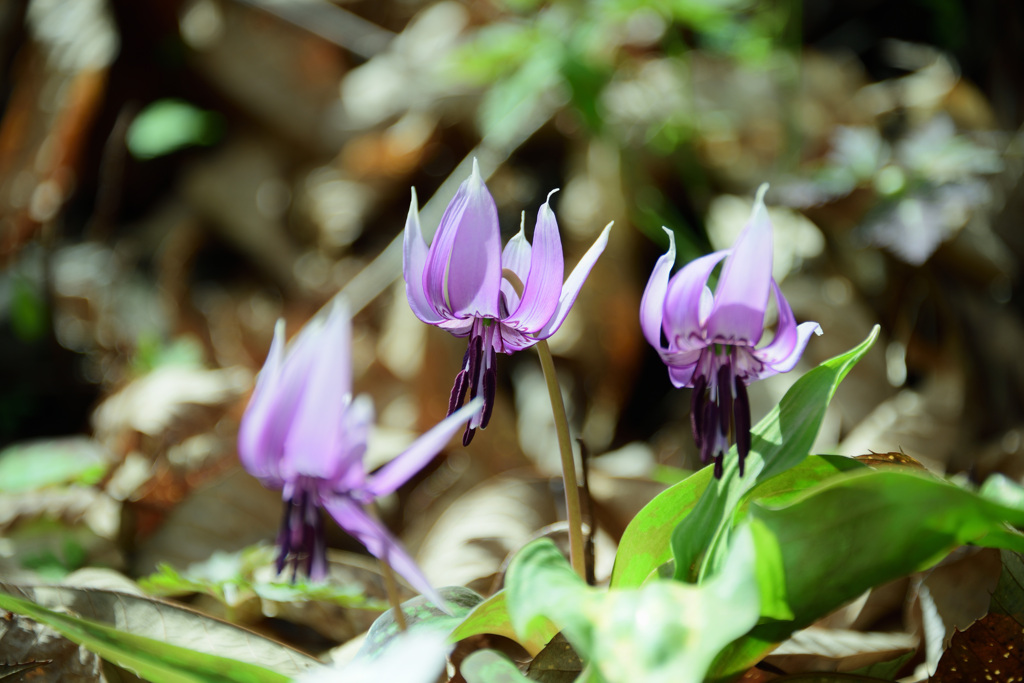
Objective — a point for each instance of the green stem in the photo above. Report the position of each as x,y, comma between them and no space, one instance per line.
391,586
572,491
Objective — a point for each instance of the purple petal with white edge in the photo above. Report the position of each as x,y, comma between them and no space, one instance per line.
516,258
544,284
652,306
573,284
414,259
351,517
262,430
742,293
316,441
684,301
422,451
462,276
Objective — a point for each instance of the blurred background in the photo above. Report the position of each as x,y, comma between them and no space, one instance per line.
176,175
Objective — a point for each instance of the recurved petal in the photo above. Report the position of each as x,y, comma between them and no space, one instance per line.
414,259
686,305
573,284
782,354
681,376
351,517
462,277
316,442
652,305
544,284
401,469
263,426
742,293
516,258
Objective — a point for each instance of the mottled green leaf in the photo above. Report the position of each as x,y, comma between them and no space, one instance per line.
421,614
663,631
146,657
488,666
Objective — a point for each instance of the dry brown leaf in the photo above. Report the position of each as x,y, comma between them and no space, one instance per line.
992,649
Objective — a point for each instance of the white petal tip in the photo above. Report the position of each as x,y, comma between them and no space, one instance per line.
548,200
761,191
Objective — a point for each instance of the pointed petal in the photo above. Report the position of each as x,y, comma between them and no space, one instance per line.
402,468
544,284
784,351
414,258
652,306
462,276
516,258
351,517
573,284
685,301
742,294
316,442
263,427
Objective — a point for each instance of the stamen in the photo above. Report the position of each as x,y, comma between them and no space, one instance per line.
742,421
697,408
724,399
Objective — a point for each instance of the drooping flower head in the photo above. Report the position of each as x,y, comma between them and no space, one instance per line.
503,300
304,433
710,341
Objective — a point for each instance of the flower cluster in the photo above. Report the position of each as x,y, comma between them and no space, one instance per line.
710,341
504,300
304,433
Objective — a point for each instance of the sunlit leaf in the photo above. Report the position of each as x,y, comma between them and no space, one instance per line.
852,533
491,616
122,621
663,631
147,657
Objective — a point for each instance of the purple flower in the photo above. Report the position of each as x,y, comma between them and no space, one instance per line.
304,433
711,340
503,300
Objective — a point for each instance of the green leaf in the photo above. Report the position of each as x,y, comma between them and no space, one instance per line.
663,631
779,442
853,533
491,616
1008,597
421,614
115,625
31,466
488,666
168,125
146,657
